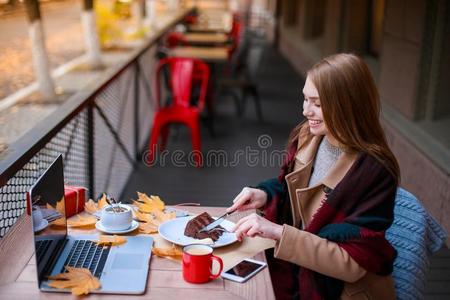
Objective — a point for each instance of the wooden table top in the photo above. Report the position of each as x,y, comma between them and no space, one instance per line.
209,54
18,273
209,29
213,20
206,38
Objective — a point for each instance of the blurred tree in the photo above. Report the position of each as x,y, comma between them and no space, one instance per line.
108,24
39,51
150,12
91,40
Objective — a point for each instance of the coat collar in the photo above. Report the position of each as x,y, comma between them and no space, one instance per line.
308,152
339,169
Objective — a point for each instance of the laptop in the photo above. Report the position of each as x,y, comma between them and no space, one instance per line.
121,269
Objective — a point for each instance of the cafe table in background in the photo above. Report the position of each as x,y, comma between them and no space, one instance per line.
206,39
207,54
18,269
213,20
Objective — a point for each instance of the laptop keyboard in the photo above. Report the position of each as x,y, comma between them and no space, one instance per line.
87,254
41,249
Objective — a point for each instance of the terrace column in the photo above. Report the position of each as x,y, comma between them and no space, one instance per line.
38,49
90,34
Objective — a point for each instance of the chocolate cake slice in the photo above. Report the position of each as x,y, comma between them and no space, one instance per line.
193,227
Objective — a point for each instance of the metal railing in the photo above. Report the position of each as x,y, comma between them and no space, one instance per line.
100,131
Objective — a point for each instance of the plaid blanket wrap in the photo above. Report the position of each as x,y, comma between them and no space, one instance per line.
355,215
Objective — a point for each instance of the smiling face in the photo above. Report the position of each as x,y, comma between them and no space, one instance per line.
312,111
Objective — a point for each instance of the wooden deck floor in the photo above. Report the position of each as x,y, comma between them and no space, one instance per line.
219,181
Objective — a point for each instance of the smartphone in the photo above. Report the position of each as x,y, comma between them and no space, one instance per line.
244,270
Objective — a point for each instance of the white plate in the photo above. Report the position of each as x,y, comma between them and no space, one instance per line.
133,226
44,224
173,231
179,213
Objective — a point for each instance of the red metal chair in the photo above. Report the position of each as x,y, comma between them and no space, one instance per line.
175,39
191,19
235,36
184,74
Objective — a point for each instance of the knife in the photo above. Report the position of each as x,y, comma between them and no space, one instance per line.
216,223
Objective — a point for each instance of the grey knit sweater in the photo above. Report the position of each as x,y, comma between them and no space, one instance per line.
326,157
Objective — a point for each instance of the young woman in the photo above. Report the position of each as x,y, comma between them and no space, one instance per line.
334,199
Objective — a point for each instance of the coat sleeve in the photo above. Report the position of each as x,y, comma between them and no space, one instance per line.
317,254
272,187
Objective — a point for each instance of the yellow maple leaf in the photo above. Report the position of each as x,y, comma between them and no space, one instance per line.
59,207
148,228
59,222
81,221
79,280
148,204
102,202
162,217
143,217
150,222
171,252
159,203
111,240
90,206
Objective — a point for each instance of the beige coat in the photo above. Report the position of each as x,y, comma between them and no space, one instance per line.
313,252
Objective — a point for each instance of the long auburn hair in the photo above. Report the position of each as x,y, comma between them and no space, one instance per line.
351,108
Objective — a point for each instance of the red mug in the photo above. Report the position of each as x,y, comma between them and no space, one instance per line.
197,263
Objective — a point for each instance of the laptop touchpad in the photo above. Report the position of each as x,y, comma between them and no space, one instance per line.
128,261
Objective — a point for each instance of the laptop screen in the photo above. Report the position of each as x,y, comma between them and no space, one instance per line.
49,217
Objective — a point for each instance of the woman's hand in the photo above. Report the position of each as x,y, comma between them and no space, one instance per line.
248,198
254,225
